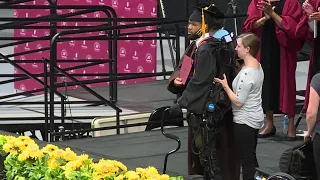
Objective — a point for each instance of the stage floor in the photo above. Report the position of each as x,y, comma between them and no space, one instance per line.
149,149
141,97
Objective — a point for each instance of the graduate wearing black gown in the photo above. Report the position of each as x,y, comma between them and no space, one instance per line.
194,94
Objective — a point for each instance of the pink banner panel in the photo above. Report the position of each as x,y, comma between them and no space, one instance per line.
133,55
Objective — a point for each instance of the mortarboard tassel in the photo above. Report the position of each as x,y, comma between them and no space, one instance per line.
203,26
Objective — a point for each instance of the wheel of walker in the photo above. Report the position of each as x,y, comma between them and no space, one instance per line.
280,176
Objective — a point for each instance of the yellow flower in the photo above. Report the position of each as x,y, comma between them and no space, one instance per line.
164,177
57,153
22,145
24,138
102,167
120,165
32,151
24,156
98,176
10,147
36,154
8,138
132,175
75,164
152,170
69,155
49,149
53,163
83,157
120,177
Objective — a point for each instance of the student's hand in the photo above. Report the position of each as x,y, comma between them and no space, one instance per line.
223,82
178,81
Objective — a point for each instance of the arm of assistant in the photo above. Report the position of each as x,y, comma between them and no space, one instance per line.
312,110
239,96
200,82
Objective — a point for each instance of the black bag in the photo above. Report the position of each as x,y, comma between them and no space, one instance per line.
298,161
226,64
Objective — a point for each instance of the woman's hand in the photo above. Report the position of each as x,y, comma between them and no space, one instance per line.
266,15
307,8
315,16
223,82
307,137
265,7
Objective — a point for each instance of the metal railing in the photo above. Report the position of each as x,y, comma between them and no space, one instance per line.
112,35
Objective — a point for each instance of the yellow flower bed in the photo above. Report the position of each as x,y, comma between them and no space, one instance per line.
25,160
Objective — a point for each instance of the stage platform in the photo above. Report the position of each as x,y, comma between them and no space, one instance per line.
149,148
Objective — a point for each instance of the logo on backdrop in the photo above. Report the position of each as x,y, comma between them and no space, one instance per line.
127,8
96,15
122,52
96,47
140,41
84,45
114,3
64,54
22,32
133,55
140,69
148,58
140,9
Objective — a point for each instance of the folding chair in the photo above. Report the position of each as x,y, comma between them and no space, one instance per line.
158,114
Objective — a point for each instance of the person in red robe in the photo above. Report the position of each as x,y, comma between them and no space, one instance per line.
304,31
274,22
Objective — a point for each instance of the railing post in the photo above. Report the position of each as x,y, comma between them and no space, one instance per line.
53,78
46,120
177,45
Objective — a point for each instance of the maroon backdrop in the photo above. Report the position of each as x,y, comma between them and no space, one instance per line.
133,55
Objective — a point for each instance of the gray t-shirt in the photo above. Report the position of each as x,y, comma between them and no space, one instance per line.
248,88
315,84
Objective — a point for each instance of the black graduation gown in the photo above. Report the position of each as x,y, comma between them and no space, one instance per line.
193,98
270,62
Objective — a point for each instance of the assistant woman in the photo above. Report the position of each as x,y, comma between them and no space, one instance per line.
245,96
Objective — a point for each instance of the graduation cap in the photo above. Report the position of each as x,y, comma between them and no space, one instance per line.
206,14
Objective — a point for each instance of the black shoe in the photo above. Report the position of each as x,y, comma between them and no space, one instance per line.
269,134
291,138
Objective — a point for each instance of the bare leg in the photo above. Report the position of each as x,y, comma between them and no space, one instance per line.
269,123
291,128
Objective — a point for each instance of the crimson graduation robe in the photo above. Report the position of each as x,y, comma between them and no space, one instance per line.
302,32
289,45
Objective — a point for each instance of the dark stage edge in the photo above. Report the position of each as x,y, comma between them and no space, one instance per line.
144,149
